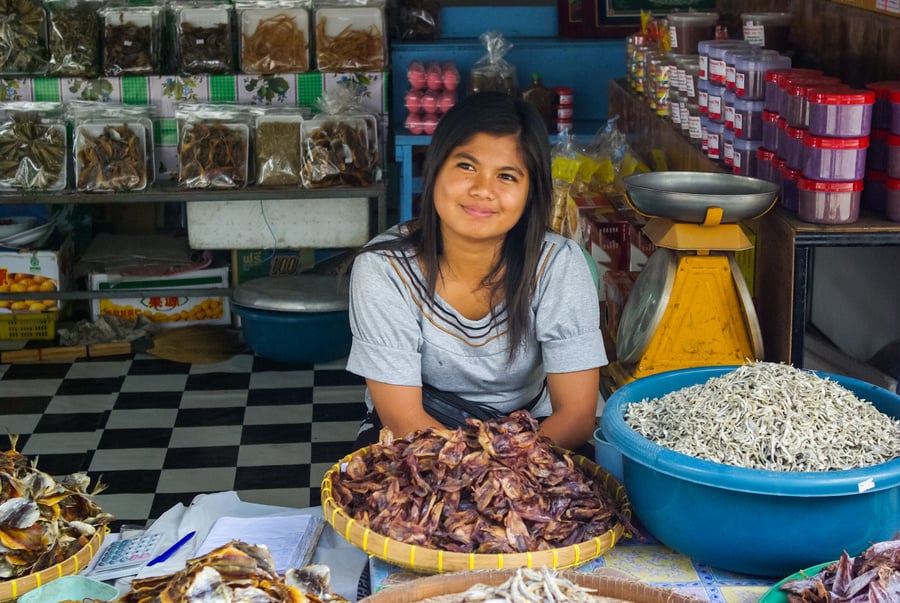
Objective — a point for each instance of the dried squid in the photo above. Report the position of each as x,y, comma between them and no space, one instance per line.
494,486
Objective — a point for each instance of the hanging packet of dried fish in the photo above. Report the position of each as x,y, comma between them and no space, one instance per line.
213,145
73,35
274,36
23,38
111,144
132,39
350,36
492,72
203,38
32,146
277,145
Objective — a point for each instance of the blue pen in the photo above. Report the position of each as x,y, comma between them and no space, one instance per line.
171,550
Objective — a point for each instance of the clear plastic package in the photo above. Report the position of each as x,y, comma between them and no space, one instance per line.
492,71
34,136
336,152
74,32
213,146
203,38
132,36
110,155
23,38
278,148
350,38
274,38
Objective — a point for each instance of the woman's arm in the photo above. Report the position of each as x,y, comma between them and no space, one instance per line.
573,397
400,407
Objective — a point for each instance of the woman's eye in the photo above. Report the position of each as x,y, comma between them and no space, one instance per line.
509,177
465,166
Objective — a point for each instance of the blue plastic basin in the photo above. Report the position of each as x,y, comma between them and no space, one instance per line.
751,521
296,337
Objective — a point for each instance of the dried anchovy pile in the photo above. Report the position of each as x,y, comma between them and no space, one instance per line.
495,486
770,416
542,585
873,576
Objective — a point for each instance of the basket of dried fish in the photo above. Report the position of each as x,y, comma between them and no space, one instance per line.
50,527
494,494
766,468
526,586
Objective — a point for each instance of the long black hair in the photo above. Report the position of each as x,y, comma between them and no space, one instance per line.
497,114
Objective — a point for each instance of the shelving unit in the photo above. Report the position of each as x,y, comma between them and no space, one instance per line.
785,245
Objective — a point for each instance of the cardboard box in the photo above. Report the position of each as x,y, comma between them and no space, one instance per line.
169,309
248,264
885,7
42,271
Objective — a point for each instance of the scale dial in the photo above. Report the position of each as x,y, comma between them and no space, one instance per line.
646,305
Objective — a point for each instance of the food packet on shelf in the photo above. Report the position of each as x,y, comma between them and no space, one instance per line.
350,35
564,170
73,36
33,154
418,20
340,143
274,35
112,146
492,71
213,145
203,41
132,38
604,155
277,150
23,38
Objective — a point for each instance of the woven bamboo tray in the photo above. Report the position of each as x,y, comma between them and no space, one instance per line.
429,560
437,589
11,590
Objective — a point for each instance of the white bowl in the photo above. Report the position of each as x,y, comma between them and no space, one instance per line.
14,225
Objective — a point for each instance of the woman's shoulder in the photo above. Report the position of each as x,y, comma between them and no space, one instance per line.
555,245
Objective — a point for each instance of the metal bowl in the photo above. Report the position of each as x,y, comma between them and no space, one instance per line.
688,196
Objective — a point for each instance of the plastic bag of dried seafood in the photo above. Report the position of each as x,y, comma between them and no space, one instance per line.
203,41
23,38
213,145
112,146
340,143
32,146
132,39
350,35
492,72
274,35
73,36
277,150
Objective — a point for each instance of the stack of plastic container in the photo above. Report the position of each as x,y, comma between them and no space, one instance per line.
882,139
432,91
834,154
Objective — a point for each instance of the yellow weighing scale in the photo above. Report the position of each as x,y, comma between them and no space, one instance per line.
690,305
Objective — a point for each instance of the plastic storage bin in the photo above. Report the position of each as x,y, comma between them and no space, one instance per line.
748,119
745,154
892,199
881,112
750,73
687,30
823,202
877,157
796,98
874,191
728,109
715,55
715,134
764,158
769,132
790,194
731,57
774,79
791,145
834,159
715,103
841,113
767,30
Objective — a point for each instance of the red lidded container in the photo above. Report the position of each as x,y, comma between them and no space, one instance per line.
842,113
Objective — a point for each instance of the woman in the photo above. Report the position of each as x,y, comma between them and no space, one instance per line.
476,299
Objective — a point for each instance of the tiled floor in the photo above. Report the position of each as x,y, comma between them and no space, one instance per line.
158,433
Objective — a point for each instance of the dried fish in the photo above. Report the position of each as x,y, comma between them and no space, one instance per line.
542,585
22,37
350,49
276,45
32,153
213,155
111,160
770,416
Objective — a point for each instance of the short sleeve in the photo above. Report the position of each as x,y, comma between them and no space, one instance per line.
387,336
567,316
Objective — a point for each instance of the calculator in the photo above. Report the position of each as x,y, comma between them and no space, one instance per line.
126,557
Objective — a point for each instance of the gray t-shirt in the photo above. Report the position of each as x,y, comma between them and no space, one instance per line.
402,337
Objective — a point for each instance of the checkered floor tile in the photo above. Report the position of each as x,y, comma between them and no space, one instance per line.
157,433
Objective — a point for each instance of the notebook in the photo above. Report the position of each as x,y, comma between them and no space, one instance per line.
291,539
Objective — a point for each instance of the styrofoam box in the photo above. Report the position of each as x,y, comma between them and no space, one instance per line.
49,268
168,309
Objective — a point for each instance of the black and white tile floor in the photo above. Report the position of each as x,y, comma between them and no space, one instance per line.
157,432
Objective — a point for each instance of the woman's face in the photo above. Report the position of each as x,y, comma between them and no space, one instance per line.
481,189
